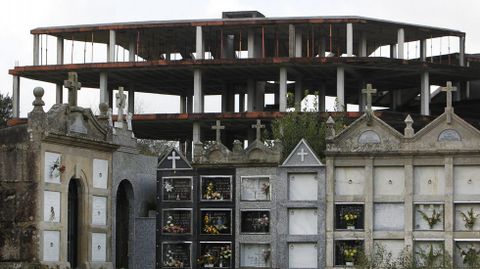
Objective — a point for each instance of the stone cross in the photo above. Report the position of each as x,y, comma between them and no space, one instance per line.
369,91
217,127
259,126
120,97
73,86
174,159
302,154
448,90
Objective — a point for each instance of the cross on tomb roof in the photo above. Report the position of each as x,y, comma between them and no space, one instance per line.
73,86
448,90
259,126
369,91
217,127
121,97
302,154
174,159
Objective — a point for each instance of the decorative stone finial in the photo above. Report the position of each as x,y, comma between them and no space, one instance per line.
259,126
38,103
73,87
103,107
120,98
408,131
369,91
448,107
237,146
330,127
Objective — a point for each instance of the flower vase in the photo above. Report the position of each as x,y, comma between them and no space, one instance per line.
349,263
220,264
208,265
350,227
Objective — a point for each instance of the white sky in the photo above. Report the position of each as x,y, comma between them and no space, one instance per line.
18,17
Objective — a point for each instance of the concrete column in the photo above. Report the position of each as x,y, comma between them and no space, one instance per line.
409,206
183,103
401,43
291,40
131,100
228,51
190,104
462,51
393,51
369,210
423,50
16,97
199,51
259,95
323,46
197,91
228,99
321,98
104,88
241,102
250,95
349,39
196,132
449,207
251,44
36,49
132,46
59,94
111,46
396,99
362,45
341,89
298,93
424,94
60,50
298,43
283,89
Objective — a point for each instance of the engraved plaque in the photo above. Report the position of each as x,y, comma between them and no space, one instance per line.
176,255
429,180
216,222
302,221
51,246
449,135
255,189
349,180
216,188
215,254
77,124
99,247
255,221
99,210
302,255
466,179
53,167
255,255
369,137
51,206
100,173
389,217
177,221
177,189
303,187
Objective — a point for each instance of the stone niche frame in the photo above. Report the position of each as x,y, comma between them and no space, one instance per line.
215,248
165,220
468,247
420,224
341,208
340,245
264,250
163,255
424,245
459,219
261,179
178,198
206,179
262,213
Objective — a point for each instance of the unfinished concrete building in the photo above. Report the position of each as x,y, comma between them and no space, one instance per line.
245,56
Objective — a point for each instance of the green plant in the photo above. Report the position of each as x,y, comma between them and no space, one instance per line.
470,256
469,218
435,218
430,258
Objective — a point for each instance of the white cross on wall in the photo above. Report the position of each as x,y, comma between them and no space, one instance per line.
174,159
302,155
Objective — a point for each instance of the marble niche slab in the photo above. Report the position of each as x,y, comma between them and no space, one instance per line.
349,180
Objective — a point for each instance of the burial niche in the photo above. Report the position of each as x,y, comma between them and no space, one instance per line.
73,233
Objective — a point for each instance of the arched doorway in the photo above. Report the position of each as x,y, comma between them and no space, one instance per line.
73,233
124,224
